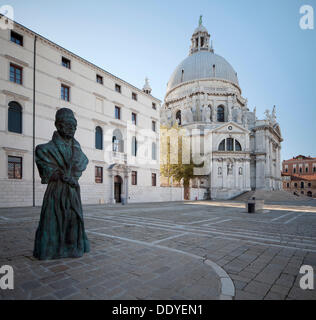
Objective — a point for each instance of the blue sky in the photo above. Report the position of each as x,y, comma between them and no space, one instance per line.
274,58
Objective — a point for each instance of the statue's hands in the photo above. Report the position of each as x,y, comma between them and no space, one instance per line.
73,182
70,180
55,176
65,178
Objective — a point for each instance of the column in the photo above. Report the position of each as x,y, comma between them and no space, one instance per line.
229,109
224,173
214,114
126,187
112,199
267,172
236,173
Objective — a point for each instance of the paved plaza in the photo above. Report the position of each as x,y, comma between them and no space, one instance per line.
179,250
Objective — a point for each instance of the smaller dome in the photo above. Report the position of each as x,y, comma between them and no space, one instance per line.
200,28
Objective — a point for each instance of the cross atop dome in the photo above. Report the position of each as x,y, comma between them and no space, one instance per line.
200,40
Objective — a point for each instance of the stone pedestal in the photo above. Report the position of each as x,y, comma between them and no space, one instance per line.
253,205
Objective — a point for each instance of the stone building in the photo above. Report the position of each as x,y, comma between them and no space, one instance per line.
240,151
299,175
118,124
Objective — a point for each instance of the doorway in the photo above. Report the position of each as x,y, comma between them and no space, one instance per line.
117,189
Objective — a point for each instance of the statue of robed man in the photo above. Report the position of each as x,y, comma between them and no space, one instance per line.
60,163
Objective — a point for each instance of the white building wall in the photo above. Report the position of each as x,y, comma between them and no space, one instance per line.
92,103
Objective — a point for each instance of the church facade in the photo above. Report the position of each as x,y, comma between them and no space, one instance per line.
240,151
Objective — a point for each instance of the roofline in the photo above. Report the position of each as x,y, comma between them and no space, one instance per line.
300,160
202,79
80,58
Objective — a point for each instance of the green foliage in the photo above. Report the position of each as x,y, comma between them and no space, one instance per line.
176,155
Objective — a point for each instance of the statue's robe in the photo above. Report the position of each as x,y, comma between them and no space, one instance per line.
61,232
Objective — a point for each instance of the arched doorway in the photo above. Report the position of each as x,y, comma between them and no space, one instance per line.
118,189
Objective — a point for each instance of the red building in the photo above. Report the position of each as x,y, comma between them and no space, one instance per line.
299,175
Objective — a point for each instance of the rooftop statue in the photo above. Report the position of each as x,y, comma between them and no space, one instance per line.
60,162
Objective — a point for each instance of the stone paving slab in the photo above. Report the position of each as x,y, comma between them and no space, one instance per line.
148,251
114,269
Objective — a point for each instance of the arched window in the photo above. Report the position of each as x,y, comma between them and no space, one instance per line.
98,138
117,141
15,117
240,171
229,144
309,194
178,117
222,146
153,151
220,114
237,146
134,146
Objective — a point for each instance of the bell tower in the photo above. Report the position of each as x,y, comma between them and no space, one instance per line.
200,40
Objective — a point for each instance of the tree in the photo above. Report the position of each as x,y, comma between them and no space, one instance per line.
176,156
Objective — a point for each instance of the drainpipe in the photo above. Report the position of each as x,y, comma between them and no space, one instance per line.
34,69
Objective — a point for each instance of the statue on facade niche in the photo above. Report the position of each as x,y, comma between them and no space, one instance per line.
268,116
208,114
60,162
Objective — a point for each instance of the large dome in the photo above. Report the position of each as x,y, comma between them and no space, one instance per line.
200,65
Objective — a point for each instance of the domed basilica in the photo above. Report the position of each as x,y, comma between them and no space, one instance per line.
240,152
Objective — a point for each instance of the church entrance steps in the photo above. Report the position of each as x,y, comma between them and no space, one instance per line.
273,196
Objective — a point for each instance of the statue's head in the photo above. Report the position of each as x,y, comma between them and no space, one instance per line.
65,123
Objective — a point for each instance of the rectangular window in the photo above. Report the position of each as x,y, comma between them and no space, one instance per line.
153,179
14,167
154,106
230,145
134,118
16,73
117,112
153,126
65,93
99,174
99,79
118,88
134,178
65,62
134,96
16,38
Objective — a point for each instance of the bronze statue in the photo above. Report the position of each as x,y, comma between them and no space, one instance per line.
60,163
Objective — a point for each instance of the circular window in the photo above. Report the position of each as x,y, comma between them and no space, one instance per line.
230,128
